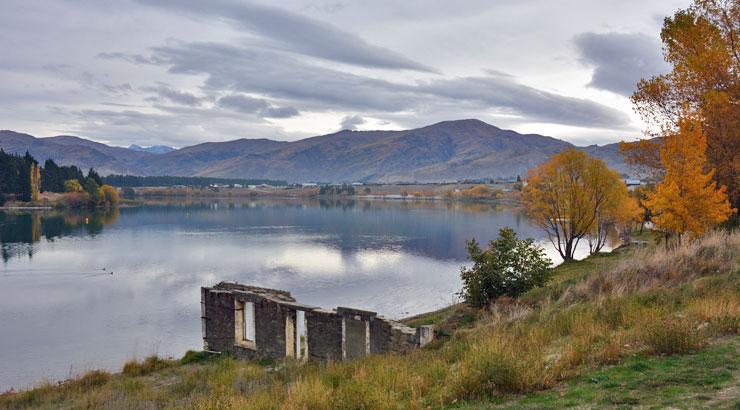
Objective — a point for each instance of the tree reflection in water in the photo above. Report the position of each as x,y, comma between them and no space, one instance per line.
19,231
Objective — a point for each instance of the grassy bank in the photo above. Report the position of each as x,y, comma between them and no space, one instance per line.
637,326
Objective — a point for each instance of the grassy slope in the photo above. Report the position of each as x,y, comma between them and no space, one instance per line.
705,379
633,327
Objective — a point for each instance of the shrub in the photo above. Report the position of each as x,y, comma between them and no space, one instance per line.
72,185
110,194
508,267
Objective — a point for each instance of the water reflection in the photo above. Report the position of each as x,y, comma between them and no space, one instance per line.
90,290
20,230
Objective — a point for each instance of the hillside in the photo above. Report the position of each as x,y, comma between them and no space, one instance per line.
636,327
446,151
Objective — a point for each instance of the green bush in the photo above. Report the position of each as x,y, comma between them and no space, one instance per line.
509,267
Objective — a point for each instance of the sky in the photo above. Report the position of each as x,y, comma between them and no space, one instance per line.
178,73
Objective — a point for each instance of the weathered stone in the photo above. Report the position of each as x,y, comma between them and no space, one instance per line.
344,333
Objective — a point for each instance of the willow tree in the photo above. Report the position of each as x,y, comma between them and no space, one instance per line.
573,197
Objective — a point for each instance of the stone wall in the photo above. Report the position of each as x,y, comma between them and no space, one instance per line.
344,333
324,335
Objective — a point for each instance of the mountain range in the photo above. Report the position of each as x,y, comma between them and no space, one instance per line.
446,151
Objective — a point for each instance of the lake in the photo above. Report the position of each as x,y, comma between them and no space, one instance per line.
91,290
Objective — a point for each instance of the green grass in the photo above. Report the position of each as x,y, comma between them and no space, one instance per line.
708,379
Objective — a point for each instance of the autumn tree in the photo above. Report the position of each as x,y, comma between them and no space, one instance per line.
702,44
35,180
574,196
687,200
110,194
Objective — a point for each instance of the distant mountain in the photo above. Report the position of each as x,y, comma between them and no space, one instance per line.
154,149
446,151
69,150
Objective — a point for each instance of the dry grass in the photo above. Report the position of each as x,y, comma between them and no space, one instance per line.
642,301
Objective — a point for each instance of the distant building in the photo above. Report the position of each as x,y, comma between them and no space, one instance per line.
632,183
252,322
238,186
309,184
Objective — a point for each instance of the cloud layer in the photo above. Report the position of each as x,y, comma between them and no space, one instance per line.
182,72
620,60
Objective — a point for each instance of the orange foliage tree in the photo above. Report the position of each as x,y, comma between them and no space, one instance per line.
575,196
687,200
702,43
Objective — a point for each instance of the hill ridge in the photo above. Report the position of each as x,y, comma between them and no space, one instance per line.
445,151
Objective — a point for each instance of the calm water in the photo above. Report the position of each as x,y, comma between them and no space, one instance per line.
63,312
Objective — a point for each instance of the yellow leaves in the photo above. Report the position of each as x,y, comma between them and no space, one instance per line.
110,194
573,195
701,43
687,200
35,182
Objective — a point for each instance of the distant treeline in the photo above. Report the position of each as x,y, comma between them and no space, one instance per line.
159,181
22,176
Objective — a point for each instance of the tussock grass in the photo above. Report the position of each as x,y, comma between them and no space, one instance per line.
603,310
149,365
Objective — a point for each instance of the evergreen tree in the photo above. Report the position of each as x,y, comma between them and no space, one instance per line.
91,174
51,177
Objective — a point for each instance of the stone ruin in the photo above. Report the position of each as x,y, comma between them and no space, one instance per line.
252,322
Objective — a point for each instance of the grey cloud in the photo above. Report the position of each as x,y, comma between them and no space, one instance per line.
124,88
242,103
297,33
255,70
171,125
350,122
619,60
504,93
280,112
174,95
131,58
249,105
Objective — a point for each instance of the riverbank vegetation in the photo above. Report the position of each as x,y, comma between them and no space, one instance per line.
610,317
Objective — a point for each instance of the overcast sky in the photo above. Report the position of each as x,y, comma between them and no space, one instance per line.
183,72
